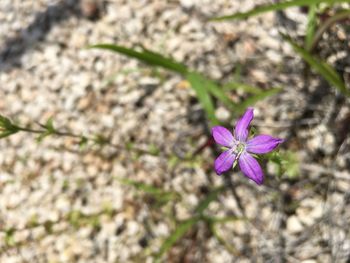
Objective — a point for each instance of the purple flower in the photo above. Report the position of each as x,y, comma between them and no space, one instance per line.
239,148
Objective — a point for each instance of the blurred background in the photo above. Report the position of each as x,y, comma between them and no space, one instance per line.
129,176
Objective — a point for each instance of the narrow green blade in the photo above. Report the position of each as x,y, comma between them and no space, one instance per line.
255,98
179,232
6,134
210,197
214,89
320,67
311,26
274,7
146,56
219,93
147,188
233,85
222,241
203,95
5,122
223,220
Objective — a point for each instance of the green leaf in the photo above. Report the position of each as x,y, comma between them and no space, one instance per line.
49,126
203,87
199,85
181,229
291,165
238,72
155,191
6,127
6,134
153,149
42,136
254,99
218,92
173,160
74,217
223,220
100,139
210,197
83,142
311,26
5,123
141,186
50,129
179,232
275,7
320,67
222,241
146,56
233,85
9,237
286,162
234,163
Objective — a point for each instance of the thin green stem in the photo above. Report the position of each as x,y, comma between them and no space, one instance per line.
327,24
103,141
23,129
58,133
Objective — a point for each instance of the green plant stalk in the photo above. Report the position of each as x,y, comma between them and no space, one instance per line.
96,140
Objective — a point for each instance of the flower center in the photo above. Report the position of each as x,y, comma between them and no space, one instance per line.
239,149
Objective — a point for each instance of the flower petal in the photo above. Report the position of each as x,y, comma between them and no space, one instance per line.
251,168
262,144
241,129
224,162
222,136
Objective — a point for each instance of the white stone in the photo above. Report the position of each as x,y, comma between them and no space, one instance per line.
294,225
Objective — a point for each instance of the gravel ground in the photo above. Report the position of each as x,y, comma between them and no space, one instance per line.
62,204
